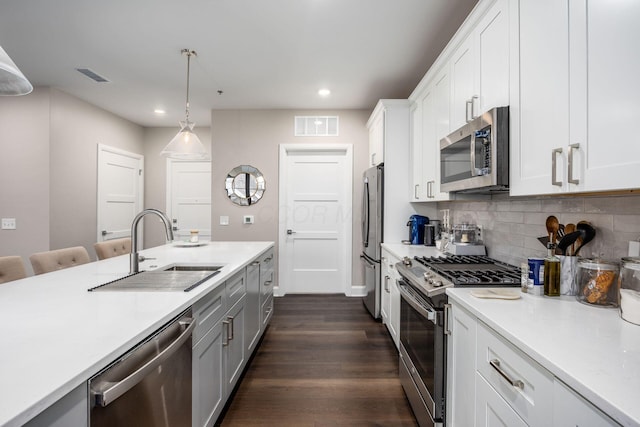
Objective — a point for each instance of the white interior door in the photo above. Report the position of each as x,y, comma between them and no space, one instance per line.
120,191
189,198
315,219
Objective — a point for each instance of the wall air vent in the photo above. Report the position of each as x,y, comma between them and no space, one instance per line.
92,75
316,126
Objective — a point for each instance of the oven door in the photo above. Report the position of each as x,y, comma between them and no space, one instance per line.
422,355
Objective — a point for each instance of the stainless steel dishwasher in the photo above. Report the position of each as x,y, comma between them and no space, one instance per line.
149,385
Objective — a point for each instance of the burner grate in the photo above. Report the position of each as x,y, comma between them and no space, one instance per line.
472,270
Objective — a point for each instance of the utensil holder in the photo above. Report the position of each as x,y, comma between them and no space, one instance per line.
568,270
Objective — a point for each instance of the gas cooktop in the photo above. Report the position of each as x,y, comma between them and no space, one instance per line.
432,275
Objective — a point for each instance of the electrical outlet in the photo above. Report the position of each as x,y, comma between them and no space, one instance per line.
248,219
480,234
8,223
634,248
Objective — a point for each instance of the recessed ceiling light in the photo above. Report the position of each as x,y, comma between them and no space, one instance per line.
324,92
159,111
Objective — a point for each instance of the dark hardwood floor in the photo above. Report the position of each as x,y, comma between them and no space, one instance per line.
323,362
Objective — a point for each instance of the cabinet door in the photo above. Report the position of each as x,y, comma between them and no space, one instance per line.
417,190
384,292
610,65
441,100
253,309
208,385
235,347
376,140
570,409
539,116
492,77
394,310
461,367
492,410
463,69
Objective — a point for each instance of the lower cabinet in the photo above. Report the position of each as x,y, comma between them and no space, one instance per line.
390,295
230,321
491,382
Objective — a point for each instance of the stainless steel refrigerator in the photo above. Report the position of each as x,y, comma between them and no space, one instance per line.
372,216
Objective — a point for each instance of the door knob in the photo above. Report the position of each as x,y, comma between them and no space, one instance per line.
290,231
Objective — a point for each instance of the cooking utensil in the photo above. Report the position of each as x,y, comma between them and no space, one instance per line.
589,234
568,240
544,240
568,229
553,226
561,230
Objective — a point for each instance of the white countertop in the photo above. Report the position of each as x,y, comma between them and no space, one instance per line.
55,334
401,250
590,349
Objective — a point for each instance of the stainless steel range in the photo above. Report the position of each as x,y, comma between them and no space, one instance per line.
423,322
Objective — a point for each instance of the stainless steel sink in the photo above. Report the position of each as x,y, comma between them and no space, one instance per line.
171,278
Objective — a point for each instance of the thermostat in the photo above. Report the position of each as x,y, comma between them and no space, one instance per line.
248,219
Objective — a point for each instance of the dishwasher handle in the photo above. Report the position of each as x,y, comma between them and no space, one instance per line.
115,390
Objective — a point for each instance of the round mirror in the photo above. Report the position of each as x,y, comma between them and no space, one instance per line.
245,185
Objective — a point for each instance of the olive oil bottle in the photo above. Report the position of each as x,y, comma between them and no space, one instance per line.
551,272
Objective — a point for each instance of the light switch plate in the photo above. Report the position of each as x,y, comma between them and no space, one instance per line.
8,223
224,220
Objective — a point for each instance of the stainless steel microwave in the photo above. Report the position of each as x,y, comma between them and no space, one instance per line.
475,158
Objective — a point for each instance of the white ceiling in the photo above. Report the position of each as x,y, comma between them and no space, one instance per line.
270,54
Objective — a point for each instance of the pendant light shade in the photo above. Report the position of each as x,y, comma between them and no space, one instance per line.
12,81
186,145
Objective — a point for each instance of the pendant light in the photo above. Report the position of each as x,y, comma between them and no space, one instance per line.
186,145
12,81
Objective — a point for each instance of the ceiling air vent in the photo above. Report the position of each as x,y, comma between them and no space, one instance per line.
316,126
92,75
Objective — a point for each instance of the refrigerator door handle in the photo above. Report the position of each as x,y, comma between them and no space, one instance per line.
365,214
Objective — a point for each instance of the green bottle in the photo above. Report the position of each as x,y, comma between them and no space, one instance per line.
551,272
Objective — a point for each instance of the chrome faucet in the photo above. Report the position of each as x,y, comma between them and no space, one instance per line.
134,261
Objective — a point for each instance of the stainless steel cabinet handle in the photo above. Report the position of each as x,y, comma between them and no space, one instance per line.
231,327
430,194
386,284
415,191
554,166
447,311
474,100
108,395
268,283
495,363
468,110
570,178
225,343
268,259
373,156
255,263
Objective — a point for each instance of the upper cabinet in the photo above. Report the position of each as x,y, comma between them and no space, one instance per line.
574,96
470,77
376,139
479,67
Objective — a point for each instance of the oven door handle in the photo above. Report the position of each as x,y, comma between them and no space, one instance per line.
427,313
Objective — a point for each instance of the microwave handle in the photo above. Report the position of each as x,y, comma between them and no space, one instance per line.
472,157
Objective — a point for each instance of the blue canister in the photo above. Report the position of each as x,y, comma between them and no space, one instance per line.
416,229
536,275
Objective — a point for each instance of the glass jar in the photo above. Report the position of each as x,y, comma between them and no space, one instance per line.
597,282
465,234
630,290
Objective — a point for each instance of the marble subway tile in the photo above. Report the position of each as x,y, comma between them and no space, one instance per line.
613,204
556,206
626,223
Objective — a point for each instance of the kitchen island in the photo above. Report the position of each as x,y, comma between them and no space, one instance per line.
589,349
56,334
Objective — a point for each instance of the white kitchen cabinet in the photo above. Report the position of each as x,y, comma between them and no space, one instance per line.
461,367
491,409
479,67
390,295
574,90
492,382
418,188
376,139
267,280
253,307
208,396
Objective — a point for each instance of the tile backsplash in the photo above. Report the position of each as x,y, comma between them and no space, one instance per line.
512,225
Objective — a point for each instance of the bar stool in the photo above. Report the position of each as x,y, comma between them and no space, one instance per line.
59,259
11,268
111,248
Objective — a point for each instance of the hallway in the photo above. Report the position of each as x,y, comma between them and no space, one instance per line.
323,362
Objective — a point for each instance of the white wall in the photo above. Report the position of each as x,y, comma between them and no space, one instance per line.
24,172
252,137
